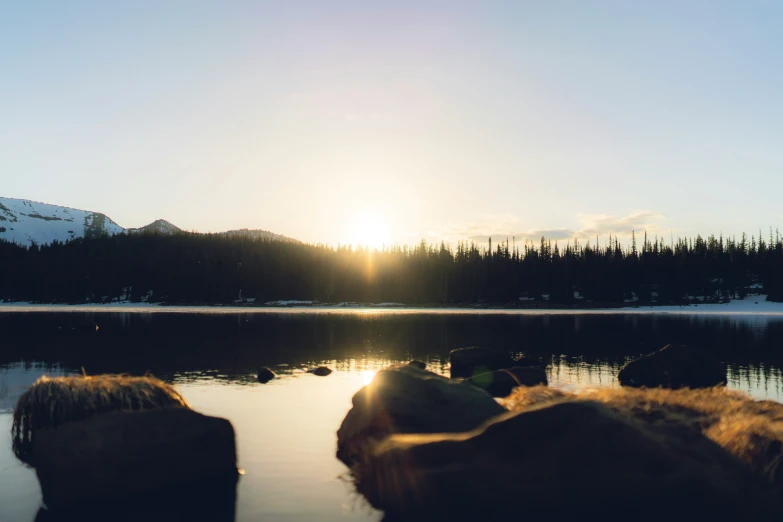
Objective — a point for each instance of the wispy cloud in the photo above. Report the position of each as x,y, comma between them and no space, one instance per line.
486,226
502,226
602,224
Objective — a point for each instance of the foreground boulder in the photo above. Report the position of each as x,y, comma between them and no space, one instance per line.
750,430
501,383
467,362
573,460
405,399
52,402
321,371
674,366
142,460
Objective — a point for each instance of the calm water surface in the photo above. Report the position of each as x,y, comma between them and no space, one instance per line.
286,429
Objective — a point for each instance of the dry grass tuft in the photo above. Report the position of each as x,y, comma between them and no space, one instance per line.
750,430
51,402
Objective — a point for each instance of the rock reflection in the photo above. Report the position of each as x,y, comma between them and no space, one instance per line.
213,500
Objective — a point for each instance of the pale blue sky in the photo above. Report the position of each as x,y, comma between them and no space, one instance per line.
345,121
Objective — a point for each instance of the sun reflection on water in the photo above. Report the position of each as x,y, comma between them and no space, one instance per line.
367,376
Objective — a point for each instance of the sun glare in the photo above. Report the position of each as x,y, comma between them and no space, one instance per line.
367,376
369,230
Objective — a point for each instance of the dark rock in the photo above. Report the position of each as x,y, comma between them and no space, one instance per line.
568,461
132,458
321,371
501,383
265,375
749,430
467,362
674,366
54,401
405,399
418,364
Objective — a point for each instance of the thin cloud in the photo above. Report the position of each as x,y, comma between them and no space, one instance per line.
554,233
602,224
506,226
535,235
488,225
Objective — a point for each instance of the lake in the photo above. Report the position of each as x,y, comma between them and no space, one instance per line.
286,429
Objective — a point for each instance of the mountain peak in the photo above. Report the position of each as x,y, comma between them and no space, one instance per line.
160,226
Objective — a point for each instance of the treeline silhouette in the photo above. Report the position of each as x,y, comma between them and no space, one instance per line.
210,268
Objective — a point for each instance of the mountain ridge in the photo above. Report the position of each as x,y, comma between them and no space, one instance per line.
27,222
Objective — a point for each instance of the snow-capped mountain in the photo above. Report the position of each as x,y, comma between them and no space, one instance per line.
27,222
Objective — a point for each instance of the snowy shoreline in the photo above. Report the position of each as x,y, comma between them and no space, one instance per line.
751,305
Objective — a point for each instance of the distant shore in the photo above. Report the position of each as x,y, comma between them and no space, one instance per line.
753,304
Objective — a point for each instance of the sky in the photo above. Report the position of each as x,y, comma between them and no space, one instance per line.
396,121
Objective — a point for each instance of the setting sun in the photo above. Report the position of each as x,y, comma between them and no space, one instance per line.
369,230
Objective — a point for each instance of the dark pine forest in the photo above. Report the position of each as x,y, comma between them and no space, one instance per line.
188,268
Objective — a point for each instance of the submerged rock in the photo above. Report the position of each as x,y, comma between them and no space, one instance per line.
418,364
405,399
265,375
467,362
133,458
321,371
674,366
567,461
501,383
